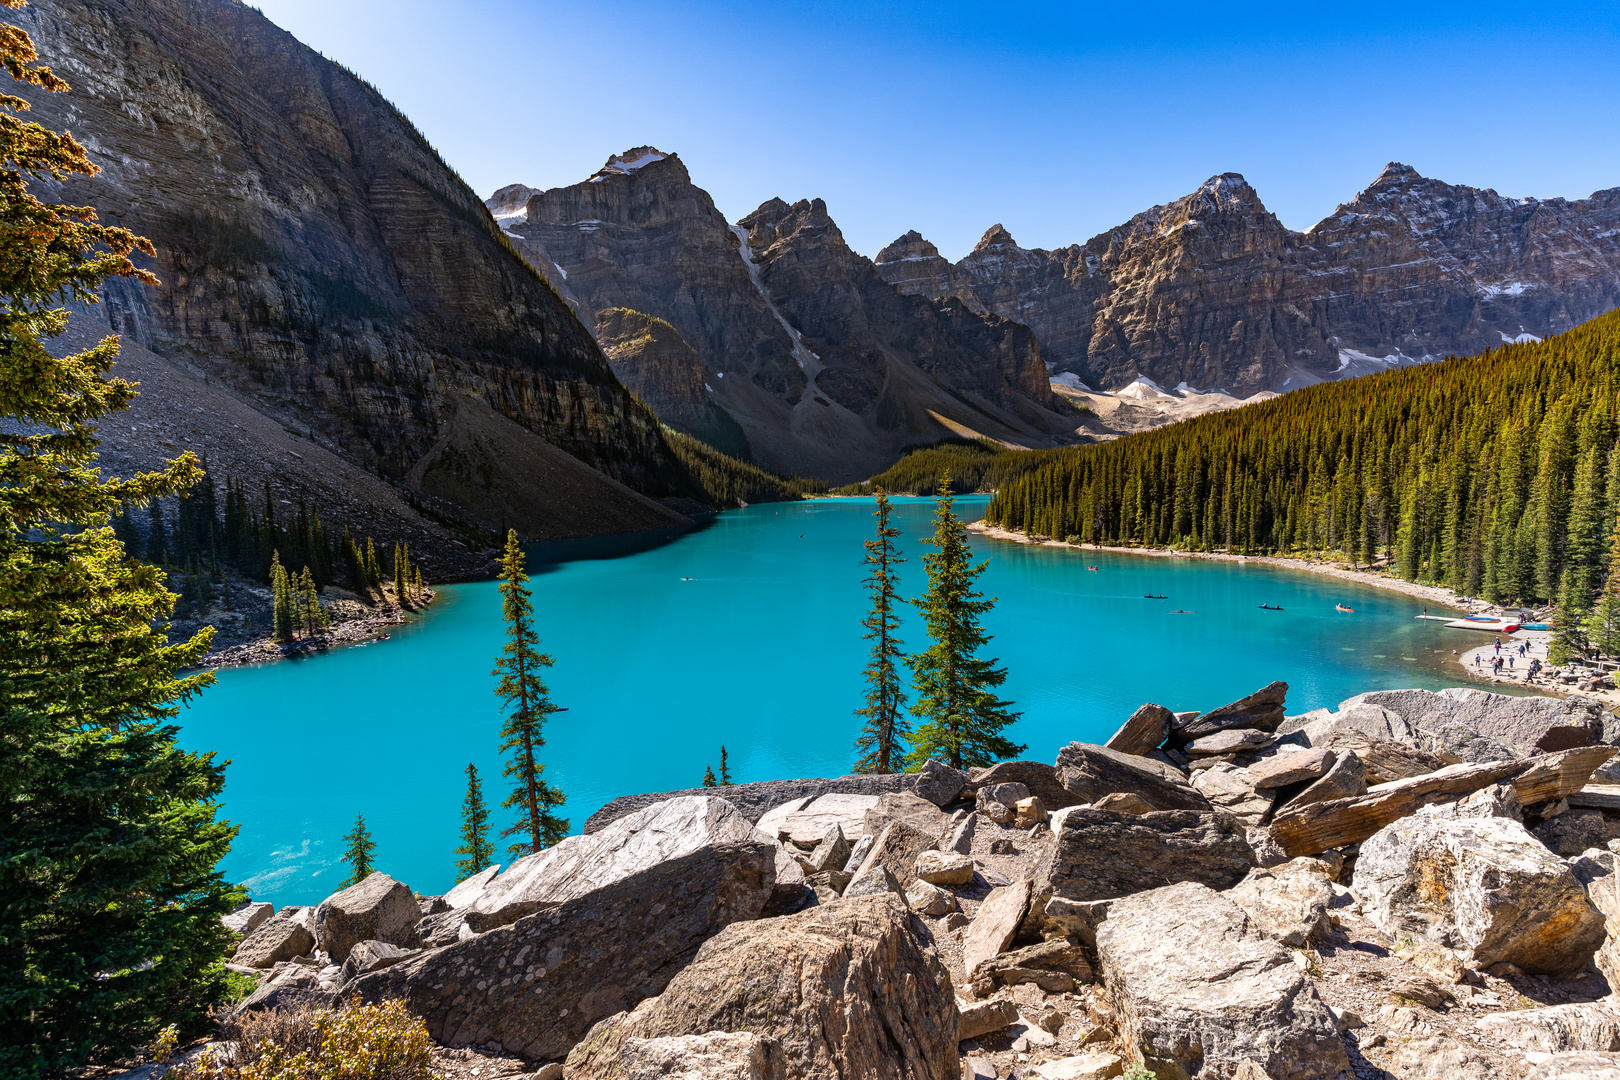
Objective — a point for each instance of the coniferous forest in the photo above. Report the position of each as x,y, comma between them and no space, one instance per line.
1495,475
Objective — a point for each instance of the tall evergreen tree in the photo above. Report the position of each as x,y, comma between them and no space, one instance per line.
962,720
725,769
157,548
476,850
1569,619
283,613
313,617
523,693
110,898
884,729
358,852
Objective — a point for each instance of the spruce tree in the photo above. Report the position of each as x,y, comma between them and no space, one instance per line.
962,719
725,769
313,617
708,777
1569,619
476,850
282,604
358,852
157,549
110,898
373,569
884,726
527,701
399,574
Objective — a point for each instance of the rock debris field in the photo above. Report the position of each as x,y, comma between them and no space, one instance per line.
1416,885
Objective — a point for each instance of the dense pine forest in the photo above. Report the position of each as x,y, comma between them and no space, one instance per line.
962,465
1495,475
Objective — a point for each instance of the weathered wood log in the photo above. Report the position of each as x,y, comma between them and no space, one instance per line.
1320,826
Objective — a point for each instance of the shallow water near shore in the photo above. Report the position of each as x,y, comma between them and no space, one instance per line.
746,632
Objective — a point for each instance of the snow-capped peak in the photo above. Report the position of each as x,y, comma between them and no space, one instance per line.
628,162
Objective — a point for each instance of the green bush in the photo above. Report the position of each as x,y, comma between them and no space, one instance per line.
372,1042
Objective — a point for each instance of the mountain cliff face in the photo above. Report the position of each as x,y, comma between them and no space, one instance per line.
319,260
819,365
1213,291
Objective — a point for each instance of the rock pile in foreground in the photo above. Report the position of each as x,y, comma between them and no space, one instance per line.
1415,885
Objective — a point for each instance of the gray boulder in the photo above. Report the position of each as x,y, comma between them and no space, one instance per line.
248,917
874,880
1199,990
534,988
995,923
939,783
1344,779
1261,710
1289,766
865,996
714,1055
1231,790
369,956
1039,779
905,807
803,822
1230,741
1089,772
1483,886
581,864
1581,1025
1577,1065
466,892
1289,903
958,837
896,849
1145,731
1466,724
753,800
928,899
273,941
984,1017
1099,855
944,868
831,854
376,909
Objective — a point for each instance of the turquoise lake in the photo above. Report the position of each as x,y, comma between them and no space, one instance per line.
746,632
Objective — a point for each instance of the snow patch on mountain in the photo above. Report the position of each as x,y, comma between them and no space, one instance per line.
628,162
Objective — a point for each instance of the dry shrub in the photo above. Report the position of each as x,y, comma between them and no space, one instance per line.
372,1042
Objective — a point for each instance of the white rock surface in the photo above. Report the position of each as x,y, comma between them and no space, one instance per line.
635,842
805,821
1482,885
466,893
1289,902
1199,989
715,1055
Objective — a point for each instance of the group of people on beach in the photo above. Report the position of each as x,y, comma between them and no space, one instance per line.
1516,649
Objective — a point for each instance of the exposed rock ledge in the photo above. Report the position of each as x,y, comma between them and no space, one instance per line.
1131,903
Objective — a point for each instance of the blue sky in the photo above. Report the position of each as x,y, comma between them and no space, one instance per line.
1057,120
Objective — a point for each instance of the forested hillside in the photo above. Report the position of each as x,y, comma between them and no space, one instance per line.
1495,475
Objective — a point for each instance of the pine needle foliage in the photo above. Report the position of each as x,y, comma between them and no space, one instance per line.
527,701
357,854
962,719
109,895
1492,475
476,850
884,728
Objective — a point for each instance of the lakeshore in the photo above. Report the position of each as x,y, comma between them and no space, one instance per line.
1517,676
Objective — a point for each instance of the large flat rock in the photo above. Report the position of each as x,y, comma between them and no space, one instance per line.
753,800
805,822
1088,772
1527,725
1100,855
1260,711
535,988
580,864
853,989
1199,990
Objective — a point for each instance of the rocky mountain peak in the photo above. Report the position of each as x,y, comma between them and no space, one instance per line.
910,246
994,239
511,201
628,162
1230,193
